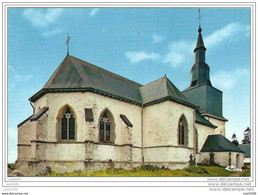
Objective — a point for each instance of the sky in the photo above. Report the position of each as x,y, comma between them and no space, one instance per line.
141,44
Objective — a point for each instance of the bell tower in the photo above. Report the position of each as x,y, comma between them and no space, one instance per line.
201,92
200,73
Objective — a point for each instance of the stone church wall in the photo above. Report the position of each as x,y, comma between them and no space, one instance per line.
89,130
219,123
203,132
86,151
222,158
40,143
161,133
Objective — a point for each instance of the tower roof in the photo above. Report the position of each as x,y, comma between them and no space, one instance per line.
200,43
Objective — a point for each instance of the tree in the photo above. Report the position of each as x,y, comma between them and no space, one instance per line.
234,139
247,136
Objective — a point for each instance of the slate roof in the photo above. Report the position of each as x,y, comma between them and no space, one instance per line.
39,114
75,75
201,120
246,149
200,43
218,143
160,89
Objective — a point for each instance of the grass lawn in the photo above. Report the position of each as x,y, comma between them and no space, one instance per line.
199,171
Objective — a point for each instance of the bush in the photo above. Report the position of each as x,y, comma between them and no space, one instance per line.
153,168
12,166
245,167
196,169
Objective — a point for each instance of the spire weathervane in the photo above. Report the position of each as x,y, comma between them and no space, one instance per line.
199,17
67,43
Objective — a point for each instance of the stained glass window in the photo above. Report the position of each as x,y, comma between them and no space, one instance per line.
182,132
105,128
68,125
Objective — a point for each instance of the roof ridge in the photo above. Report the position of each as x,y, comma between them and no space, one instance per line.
167,86
178,90
56,71
78,72
106,71
152,82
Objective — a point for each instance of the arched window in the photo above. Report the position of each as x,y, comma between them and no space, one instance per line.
68,125
182,131
106,127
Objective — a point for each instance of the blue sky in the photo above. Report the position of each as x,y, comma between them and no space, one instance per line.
141,44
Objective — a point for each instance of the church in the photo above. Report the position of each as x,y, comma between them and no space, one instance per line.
87,118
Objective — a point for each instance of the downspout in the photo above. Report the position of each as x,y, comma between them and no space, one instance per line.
32,107
142,135
195,140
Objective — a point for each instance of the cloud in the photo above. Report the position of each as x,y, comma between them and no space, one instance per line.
180,52
25,78
11,68
157,38
136,57
42,19
219,36
228,80
94,12
17,78
48,33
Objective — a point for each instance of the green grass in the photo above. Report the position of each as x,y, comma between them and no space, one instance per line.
200,171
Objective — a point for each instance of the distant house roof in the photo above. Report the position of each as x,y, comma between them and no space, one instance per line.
246,149
201,120
218,143
75,75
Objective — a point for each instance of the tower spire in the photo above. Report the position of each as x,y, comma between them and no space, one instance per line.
200,73
199,48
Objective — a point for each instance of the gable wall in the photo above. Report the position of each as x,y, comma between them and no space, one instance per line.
203,132
160,124
219,123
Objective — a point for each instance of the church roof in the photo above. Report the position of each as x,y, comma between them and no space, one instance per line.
160,89
201,120
218,143
74,74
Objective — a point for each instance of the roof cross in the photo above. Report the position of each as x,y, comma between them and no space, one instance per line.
199,17
67,43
